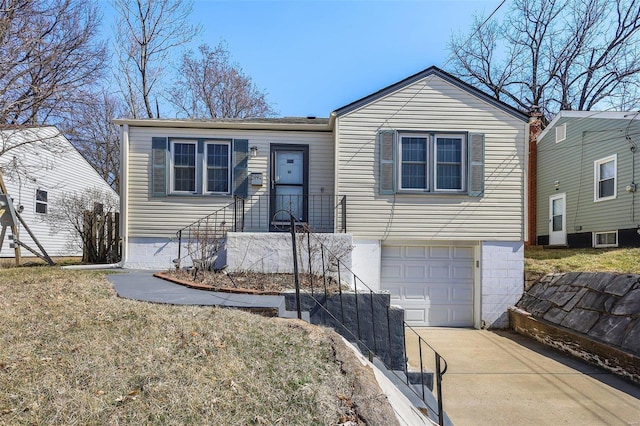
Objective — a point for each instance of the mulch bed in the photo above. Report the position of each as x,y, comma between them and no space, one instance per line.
248,282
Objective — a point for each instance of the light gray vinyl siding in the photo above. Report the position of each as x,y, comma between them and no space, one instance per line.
571,163
163,216
432,104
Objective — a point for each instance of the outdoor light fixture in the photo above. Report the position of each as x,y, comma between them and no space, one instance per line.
254,151
556,184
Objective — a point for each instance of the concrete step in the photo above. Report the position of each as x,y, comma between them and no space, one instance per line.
413,392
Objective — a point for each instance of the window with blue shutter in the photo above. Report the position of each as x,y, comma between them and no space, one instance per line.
387,163
431,162
241,168
186,166
159,166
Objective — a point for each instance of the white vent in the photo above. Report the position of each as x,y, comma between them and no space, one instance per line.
561,133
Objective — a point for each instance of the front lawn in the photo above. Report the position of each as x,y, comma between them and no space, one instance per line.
543,261
74,353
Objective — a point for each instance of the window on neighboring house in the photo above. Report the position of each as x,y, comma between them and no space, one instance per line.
41,201
605,239
432,162
605,171
183,166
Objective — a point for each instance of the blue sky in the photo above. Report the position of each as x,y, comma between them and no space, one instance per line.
312,57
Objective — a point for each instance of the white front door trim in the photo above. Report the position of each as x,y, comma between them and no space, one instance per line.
558,219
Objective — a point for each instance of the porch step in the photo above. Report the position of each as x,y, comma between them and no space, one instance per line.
413,392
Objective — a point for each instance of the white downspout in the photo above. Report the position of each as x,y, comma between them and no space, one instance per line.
124,192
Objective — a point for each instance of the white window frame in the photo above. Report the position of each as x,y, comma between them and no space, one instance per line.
431,162
463,162
596,177
427,170
201,167
172,168
44,203
205,166
595,239
561,132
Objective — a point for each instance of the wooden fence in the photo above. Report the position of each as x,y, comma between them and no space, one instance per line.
101,236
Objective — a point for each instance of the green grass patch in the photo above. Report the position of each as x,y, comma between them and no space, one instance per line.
74,353
540,260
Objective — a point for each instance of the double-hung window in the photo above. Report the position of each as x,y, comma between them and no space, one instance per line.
605,172
449,167
413,158
218,170
432,162
183,154
200,167
41,201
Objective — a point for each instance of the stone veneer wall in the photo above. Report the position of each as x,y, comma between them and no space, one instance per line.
603,306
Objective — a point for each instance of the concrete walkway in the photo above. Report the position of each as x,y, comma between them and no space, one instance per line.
142,285
501,378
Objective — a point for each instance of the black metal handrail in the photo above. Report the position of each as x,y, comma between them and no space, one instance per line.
372,348
204,236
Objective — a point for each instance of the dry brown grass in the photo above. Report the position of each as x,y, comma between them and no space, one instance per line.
73,353
543,260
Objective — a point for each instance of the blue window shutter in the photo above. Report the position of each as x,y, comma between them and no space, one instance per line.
200,160
387,161
159,166
241,168
476,165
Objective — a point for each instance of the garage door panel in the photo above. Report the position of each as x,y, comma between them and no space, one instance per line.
463,272
439,253
434,284
463,253
414,315
415,294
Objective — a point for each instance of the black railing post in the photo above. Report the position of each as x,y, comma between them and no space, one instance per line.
295,264
179,249
439,383
343,203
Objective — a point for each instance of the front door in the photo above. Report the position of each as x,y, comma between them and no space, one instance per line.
289,182
557,220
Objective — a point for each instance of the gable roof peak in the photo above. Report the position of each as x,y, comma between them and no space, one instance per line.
432,70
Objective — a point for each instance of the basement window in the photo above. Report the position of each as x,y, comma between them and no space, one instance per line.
605,239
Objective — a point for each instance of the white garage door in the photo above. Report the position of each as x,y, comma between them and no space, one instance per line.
434,284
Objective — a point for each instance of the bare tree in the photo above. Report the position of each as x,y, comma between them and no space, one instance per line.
557,54
209,85
97,138
50,57
147,32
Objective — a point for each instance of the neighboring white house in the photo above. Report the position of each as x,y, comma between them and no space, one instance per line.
38,165
425,176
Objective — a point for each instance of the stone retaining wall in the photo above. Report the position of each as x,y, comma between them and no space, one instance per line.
603,307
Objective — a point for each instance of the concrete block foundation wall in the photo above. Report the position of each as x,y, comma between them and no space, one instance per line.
380,330
502,281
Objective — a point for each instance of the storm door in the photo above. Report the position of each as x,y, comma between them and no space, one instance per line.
289,184
557,220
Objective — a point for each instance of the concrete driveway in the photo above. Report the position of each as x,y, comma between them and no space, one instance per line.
501,378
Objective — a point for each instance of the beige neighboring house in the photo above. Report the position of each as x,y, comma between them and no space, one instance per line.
423,181
38,165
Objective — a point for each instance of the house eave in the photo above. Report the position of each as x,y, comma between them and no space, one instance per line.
305,125
609,115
